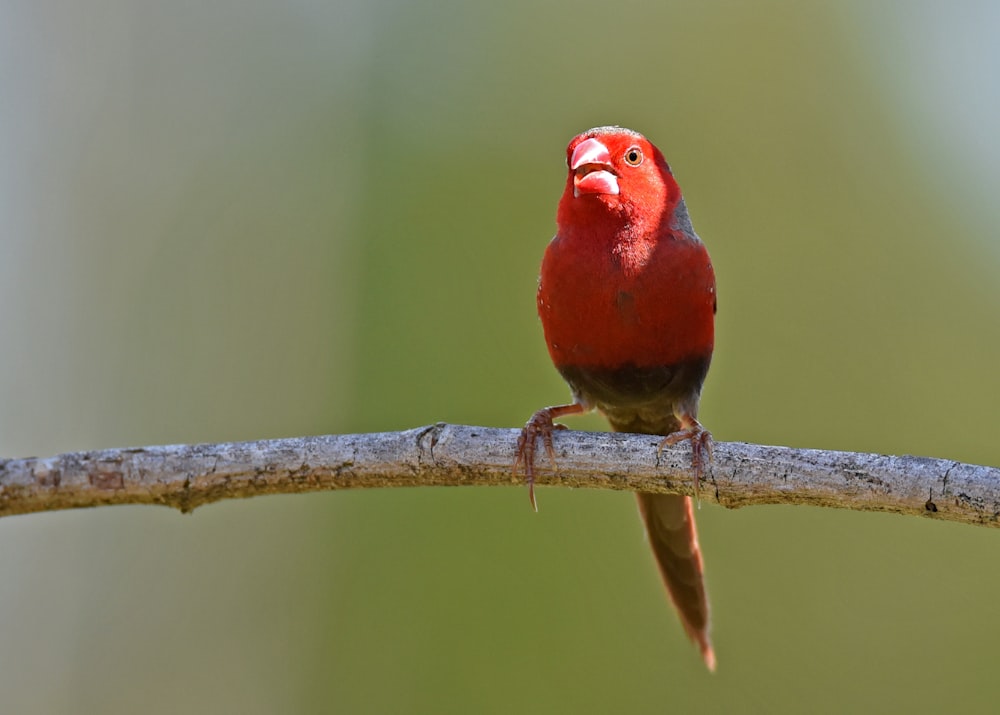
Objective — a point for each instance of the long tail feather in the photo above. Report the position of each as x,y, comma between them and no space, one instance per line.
673,537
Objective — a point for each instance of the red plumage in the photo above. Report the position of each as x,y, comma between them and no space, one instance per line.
627,302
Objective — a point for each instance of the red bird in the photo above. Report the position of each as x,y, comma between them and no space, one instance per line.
627,302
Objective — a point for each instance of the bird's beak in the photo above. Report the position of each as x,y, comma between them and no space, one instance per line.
592,170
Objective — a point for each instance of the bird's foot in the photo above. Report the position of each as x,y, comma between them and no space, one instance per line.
701,447
540,425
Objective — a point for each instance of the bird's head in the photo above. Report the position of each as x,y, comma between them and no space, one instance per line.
616,175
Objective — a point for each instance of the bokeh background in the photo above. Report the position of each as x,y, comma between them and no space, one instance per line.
238,220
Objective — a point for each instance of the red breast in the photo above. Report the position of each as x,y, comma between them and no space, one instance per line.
626,281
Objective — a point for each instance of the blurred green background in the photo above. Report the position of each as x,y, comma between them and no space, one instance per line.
237,220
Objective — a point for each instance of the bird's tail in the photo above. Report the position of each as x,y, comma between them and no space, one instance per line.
673,537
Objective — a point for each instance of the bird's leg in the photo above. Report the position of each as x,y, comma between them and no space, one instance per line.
540,424
701,445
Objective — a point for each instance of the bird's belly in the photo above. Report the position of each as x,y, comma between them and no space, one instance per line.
638,399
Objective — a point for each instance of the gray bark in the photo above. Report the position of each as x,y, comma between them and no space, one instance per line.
187,476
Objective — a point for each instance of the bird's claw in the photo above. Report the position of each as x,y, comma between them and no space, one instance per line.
540,425
701,448
527,443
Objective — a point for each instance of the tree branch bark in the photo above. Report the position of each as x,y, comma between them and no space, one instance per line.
187,476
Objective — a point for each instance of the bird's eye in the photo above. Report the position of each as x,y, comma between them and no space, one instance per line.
633,157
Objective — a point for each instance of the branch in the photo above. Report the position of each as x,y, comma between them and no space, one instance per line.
187,476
